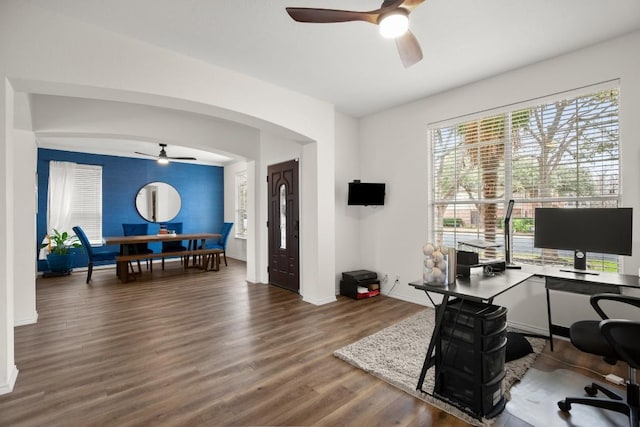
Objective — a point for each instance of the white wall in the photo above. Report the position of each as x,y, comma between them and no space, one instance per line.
394,150
25,152
8,369
348,249
236,248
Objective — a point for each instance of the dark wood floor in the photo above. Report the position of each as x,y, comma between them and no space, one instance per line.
207,349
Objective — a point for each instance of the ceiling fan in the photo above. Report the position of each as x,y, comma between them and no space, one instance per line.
163,158
392,17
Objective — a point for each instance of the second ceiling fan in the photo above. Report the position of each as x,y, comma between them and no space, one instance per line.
163,158
392,17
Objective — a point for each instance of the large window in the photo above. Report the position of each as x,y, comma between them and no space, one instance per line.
560,153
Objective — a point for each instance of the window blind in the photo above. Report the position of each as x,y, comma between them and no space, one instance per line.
86,208
241,205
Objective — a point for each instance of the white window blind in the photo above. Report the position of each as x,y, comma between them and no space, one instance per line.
560,153
241,205
86,208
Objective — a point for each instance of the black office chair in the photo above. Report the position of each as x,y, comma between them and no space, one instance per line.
613,339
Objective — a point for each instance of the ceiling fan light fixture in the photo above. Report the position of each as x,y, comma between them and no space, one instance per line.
394,24
163,161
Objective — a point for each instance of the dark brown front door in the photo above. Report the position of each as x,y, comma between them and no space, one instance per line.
284,257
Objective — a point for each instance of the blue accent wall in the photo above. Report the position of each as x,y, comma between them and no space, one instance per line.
201,189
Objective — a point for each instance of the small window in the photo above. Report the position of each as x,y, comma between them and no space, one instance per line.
75,198
241,205
86,209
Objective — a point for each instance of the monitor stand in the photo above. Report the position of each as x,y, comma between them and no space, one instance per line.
579,271
579,264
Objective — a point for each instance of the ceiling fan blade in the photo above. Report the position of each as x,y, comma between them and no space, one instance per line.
145,154
323,16
182,158
411,4
409,49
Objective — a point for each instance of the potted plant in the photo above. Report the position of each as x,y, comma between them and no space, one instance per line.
60,258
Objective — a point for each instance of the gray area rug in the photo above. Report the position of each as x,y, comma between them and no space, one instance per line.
395,355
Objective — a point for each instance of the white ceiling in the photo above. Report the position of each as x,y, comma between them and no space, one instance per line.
349,64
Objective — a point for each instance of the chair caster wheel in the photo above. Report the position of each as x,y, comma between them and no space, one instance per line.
590,390
564,406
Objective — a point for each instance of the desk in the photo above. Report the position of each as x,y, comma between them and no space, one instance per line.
484,289
578,283
478,288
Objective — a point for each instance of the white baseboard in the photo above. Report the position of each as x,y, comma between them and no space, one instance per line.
27,320
528,328
320,301
420,300
8,387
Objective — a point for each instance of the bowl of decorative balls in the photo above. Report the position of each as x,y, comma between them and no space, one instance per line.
434,270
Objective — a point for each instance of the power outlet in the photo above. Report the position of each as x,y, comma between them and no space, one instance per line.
397,278
384,278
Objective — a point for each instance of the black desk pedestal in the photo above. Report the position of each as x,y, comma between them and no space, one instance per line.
470,357
478,289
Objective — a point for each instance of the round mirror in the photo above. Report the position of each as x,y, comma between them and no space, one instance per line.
158,202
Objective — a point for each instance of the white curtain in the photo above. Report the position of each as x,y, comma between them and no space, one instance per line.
60,198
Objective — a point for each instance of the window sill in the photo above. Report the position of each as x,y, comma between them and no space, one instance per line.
241,237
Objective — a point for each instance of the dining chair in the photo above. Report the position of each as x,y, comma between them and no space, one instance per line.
176,245
221,243
94,253
138,248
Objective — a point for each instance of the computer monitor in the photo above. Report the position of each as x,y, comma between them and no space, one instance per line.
602,230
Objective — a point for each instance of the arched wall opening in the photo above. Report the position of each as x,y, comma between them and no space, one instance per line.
71,59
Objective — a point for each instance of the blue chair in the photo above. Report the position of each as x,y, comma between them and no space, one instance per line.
94,254
221,243
174,246
138,248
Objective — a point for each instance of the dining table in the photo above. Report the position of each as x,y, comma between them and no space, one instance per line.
192,238
195,241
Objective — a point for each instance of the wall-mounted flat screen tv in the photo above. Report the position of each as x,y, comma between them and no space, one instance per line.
366,193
